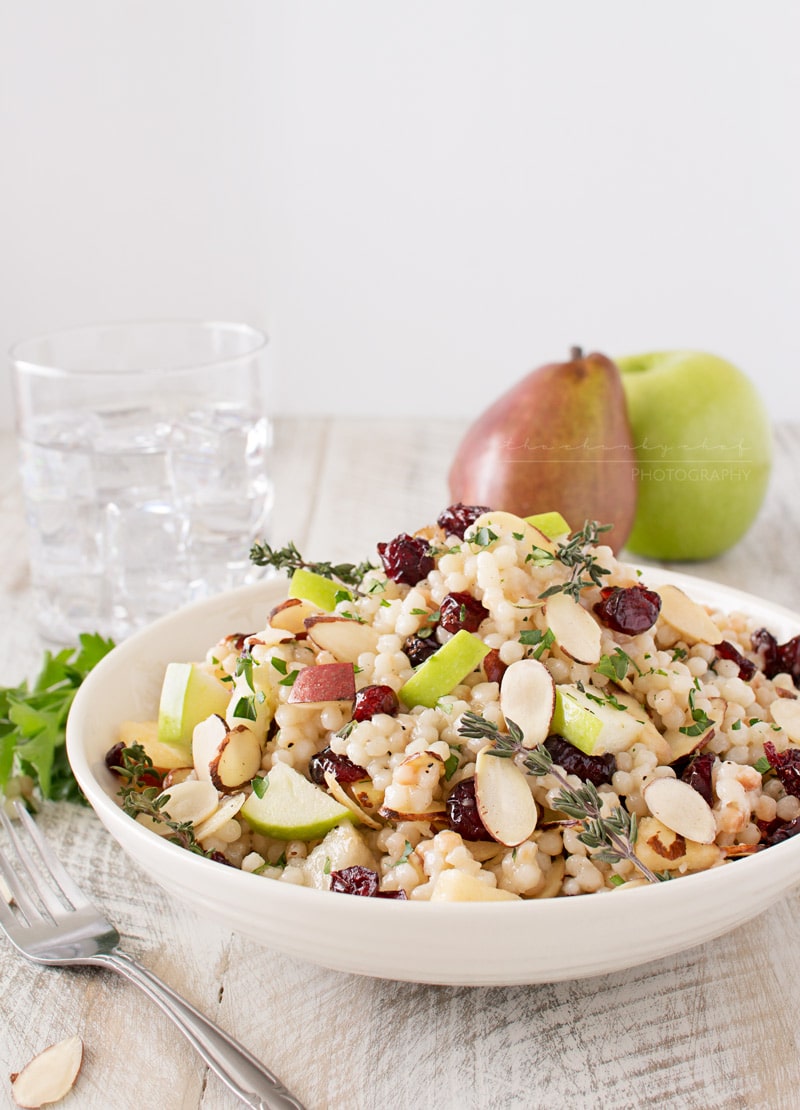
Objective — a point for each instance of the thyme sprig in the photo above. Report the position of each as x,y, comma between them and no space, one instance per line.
574,553
142,793
288,558
611,837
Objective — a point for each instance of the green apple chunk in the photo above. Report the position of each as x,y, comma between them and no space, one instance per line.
292,808
552,524
320,591
703,453
597,725
443,670
189,694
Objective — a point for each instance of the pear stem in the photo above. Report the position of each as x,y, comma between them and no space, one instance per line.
576,353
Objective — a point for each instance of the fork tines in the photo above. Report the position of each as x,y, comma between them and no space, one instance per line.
40,888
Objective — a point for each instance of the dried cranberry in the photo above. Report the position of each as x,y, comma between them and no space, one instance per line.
462,811
698,775
398,894
591,768
726,650
114,757
494,667
375,699
786,766
342,768
456,519
778,831
419,648
218,857
628,609
461,610
355,880
777,658
114,762
406,559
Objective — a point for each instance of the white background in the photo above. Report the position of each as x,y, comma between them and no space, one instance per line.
420,201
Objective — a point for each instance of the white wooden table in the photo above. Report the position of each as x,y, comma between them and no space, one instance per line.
714,1027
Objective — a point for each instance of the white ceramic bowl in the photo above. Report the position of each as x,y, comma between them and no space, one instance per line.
449,943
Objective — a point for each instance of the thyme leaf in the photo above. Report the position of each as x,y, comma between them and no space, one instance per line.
141,792
584,568
611,837
288,558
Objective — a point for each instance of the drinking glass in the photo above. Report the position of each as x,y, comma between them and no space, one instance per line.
144,451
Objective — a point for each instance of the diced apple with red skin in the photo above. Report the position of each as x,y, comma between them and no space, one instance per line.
528,698
344,637
323,682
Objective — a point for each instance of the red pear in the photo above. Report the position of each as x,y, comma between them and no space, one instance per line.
559,439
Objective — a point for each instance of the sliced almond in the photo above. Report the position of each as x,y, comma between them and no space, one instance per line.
50,1075
576,631
509,526
324,682
337,791
687,616
291,614
528,698
553,879
227,810
681,808
193,800
786,713
344,637
505,803
207,739
435,814
682,745
237,760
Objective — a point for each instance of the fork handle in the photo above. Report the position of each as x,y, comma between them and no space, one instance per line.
255,1085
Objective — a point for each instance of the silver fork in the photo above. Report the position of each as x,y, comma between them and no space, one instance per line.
51,921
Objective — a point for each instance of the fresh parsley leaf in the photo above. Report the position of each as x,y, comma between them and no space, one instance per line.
33,719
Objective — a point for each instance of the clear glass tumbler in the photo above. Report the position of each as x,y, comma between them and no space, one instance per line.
144,452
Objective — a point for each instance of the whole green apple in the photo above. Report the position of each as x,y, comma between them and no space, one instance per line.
704,451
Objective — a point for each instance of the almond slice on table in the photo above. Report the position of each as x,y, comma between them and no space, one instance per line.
786,713
687,616
504,800
681,808
528,698
576,631
50,1075
344,637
